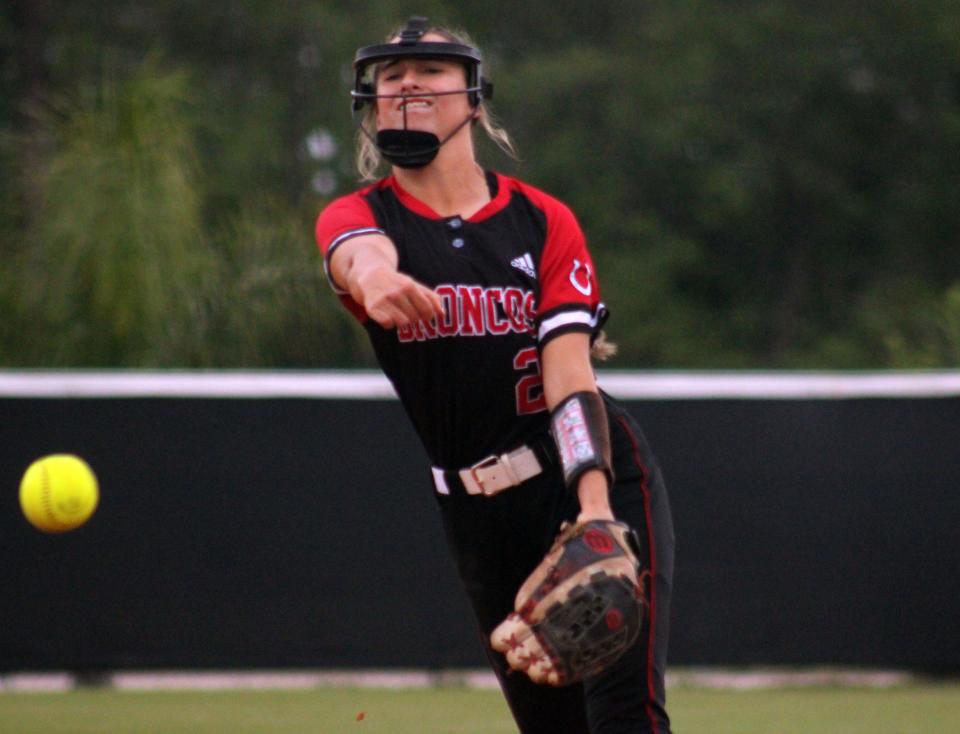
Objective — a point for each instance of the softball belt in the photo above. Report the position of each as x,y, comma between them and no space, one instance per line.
497,472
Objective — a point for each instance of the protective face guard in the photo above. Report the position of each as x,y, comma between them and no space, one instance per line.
413,148
411,47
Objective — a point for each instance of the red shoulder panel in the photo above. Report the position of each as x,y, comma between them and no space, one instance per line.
342,215
567,275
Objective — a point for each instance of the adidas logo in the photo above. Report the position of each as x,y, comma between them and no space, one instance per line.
524,263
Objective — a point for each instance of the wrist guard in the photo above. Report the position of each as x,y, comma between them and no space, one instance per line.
579,427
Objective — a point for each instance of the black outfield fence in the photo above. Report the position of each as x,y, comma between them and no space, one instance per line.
287,520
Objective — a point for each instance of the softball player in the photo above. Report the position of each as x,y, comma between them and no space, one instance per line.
481,302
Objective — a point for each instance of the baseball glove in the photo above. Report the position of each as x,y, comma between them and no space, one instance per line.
580,609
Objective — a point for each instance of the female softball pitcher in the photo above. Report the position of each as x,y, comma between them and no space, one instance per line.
482,304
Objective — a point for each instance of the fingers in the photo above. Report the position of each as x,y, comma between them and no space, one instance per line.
426,305
543,671
523,651
510,633
396,299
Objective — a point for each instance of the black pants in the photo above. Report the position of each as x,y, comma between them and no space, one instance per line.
498,541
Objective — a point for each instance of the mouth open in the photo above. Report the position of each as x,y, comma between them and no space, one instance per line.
415,104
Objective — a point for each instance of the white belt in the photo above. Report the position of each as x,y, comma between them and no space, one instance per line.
493,474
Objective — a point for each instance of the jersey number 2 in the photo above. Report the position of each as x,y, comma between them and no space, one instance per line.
529,390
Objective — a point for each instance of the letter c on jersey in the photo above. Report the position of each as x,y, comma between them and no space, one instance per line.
586,288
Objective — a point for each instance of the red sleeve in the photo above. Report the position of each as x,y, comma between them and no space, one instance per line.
569,292
346,217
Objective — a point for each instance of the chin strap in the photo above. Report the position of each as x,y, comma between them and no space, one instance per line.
412,148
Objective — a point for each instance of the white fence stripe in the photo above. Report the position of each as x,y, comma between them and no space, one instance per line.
218,680
780,385
372,385
198,384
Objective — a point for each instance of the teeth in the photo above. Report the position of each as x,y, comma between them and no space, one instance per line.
415,104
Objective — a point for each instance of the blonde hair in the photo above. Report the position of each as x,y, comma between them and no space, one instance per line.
368,158
602,348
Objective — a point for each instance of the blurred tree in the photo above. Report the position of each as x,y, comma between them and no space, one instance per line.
741,169
114,260
272,306
925,330
763,184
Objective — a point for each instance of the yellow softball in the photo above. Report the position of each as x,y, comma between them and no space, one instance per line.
59,493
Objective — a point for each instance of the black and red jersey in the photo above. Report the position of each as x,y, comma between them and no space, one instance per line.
512,276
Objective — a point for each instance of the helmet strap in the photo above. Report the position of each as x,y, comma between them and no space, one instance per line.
408,148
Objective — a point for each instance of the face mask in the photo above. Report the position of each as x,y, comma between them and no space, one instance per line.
412,148
407,148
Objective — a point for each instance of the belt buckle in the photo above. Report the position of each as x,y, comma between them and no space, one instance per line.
491,460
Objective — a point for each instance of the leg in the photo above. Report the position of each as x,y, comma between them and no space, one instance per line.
496,544
540,709
630,696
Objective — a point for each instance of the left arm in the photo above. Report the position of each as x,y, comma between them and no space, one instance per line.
567,369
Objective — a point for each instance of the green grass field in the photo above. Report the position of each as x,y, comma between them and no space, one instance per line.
932,708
